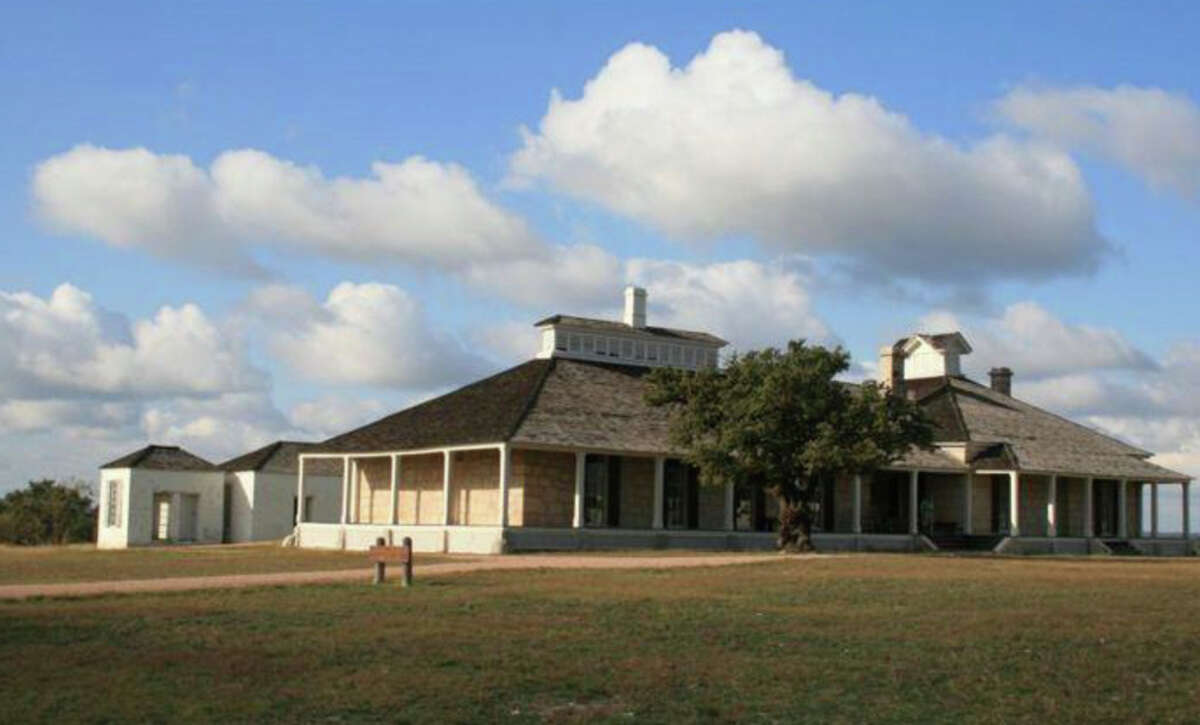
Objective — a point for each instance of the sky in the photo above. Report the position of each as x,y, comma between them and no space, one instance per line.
226,223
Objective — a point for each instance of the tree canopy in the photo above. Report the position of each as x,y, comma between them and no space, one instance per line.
48,512
779,420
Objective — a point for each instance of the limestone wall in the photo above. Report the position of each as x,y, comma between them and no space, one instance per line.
420,498
542,489
374,491
637,492
475,488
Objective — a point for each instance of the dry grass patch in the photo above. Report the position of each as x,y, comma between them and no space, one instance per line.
59,564
845,639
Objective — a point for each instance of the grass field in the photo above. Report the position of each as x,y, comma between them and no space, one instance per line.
879,638
54,564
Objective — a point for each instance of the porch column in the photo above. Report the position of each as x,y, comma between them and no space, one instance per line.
447,466
505,472
969,504
1089,512
395,489
1187,516
729,512
660,463
913,521
300,492
1122,509
580,469
345,488
856,523
1014,505
1052,507
1153,510
354,492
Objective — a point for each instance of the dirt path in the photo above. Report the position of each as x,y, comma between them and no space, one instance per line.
523,561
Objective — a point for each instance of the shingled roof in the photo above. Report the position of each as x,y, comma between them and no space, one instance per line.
162,458
621,328
486,411
1003,432
279,457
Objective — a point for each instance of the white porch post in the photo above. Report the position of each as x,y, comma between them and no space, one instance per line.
300,493
1153,510
1014,505
729,503
580,473
395,517
345,488
1187,516
447,465
1123,509
969,504
354,492
1089,512
913,521
856,524
1052,507
505,472
660,464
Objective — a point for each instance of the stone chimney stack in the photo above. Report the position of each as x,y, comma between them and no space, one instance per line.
891,368
1001,380
635,306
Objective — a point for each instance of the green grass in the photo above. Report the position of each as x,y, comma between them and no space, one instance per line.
849,639
58,564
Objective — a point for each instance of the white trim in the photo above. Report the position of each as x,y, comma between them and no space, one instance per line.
405,452
300,493
505,474
395,517
447,473
345,487
580,473
1052,507
1014,504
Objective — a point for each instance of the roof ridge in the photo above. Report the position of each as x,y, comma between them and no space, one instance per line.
534,392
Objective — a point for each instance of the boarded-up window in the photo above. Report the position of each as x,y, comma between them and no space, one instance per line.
112,505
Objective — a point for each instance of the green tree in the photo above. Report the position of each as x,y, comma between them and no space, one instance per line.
780,421
48,512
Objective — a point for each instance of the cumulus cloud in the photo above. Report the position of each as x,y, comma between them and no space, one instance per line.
749,303
1029,339
65,346
362,334
733,145
418,211
330,415
1150,131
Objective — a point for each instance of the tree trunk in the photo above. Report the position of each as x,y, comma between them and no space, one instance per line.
795,527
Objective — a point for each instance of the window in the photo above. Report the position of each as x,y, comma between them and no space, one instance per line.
614,347
627,349
652,351
602,491
308,504
589,343
676,354
112,504
601,346
689,356
639,351
681,489
560,341
573,343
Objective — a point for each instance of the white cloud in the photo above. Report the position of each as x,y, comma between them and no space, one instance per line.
363,334
1036,344
417,212
66,346
734,145
330,415
1153,133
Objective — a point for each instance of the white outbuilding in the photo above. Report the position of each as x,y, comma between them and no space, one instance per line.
160,494
260,488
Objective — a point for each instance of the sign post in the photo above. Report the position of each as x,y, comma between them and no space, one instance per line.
382,555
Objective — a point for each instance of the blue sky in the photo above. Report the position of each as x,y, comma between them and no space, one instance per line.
1028,172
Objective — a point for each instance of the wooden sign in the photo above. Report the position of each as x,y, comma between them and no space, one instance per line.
381,555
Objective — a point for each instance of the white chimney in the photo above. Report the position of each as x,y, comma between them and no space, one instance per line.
635,306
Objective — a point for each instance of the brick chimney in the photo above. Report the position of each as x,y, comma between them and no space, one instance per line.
1001,380
891,368
635,306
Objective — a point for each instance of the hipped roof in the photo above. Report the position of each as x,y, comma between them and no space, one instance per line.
162,458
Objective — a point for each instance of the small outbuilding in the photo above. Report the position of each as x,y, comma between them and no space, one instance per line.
160,494
260,491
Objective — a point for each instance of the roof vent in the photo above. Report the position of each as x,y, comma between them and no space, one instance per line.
1001,380
635,306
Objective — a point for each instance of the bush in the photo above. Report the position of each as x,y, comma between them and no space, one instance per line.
48,512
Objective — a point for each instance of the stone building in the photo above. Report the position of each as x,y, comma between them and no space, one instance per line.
563,452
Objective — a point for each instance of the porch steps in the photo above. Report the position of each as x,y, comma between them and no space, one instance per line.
1121,547
966,542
